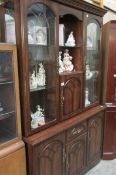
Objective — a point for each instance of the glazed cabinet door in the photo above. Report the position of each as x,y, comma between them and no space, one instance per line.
76,155
95,137
92,60
40,66
48,157
10,130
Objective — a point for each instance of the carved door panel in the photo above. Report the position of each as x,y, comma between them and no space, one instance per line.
95,133
49,157
76,155
71,95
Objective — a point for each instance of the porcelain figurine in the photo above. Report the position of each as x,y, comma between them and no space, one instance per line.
33,81
70,41
37,117
61,65
30,39
1,108
87,102
67,61
89,74
41,77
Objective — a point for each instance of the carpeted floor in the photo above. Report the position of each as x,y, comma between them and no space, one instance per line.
105,167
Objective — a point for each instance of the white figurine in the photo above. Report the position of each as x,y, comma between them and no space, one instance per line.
33,81
37,117
70,41
30,39
89,74
87,102
67,61
41,78
1,108
61,65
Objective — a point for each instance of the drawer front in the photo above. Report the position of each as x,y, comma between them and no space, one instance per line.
76,131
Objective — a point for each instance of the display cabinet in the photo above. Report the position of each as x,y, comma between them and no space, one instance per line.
109,84
11,146
60,74
10,125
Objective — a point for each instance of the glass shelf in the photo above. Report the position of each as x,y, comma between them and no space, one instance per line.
4,115
38,89
5,82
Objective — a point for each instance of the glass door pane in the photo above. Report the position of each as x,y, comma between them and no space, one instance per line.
42,65
8,128
92,63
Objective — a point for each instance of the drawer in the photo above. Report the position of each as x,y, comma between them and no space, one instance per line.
76,131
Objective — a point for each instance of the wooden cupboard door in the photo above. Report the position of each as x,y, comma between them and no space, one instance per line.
109,149
49,157
76,155
95,133
71,94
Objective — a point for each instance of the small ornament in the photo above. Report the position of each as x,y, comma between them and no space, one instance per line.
61,65
41,77
67,61
37,117
1,108
33,81
87,102
70,41
89,74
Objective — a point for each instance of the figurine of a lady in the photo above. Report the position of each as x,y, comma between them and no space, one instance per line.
70,41
33,80
41,77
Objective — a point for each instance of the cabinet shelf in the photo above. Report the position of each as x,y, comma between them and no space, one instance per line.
77,46
5,82
6,115
41,88
70,73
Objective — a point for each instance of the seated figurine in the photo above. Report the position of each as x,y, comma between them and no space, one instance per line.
70,41
67,61
37,117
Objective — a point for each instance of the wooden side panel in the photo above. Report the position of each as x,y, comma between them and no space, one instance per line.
109,151
13,163
111,73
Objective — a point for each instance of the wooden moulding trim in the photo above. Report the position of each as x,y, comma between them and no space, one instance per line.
56,129
82,5
109,155
11,149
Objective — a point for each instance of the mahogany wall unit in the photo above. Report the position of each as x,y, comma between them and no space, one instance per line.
58,46
109,93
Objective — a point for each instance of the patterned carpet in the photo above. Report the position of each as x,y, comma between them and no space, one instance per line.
105,167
